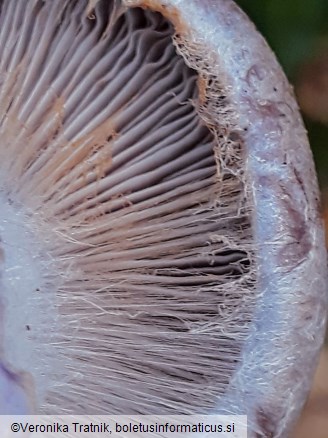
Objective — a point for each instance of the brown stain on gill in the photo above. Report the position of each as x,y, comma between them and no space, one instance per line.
169,12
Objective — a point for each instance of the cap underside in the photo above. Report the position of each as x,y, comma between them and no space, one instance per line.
139,206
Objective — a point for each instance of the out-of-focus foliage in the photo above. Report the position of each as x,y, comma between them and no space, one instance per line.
297,31
292,27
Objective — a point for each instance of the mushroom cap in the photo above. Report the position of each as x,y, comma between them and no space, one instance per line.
182,256
290,318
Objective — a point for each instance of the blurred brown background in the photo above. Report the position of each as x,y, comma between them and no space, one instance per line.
297,30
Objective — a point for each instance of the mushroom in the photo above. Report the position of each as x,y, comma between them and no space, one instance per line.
162,246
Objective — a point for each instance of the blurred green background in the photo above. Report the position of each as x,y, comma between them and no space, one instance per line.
297,31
